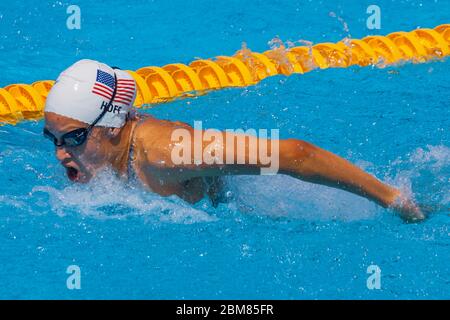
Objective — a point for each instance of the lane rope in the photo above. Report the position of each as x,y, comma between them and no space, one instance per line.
162,84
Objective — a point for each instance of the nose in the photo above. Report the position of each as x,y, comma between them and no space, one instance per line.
61,153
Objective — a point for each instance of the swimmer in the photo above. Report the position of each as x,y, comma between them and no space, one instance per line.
90,119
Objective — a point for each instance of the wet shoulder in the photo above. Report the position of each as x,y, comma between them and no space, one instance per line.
152,138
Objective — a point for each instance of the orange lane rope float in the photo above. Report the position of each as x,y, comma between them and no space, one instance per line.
177,80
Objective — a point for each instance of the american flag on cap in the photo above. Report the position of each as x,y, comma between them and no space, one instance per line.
104,86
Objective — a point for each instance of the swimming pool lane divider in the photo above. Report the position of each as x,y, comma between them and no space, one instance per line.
161,84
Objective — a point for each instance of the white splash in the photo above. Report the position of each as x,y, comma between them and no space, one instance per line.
284,196
425,168
424,174
429,169
106,197
437,156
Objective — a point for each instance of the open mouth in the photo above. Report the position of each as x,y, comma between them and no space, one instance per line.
72,173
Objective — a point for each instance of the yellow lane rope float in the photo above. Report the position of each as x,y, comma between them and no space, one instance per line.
177,80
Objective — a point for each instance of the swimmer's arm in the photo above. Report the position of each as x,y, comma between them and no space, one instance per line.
310,163
304,161
296,158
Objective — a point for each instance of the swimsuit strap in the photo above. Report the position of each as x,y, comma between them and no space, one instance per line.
131,173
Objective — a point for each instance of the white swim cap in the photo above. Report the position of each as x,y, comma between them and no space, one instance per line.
82,91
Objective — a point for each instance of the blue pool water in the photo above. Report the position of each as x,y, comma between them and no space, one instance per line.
276,237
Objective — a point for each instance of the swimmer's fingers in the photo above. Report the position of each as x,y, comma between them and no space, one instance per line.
408,210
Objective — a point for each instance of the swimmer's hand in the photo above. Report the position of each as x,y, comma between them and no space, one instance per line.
408,210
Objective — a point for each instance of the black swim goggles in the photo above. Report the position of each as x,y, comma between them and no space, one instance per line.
77,137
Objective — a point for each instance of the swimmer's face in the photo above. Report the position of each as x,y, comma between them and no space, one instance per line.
81,162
